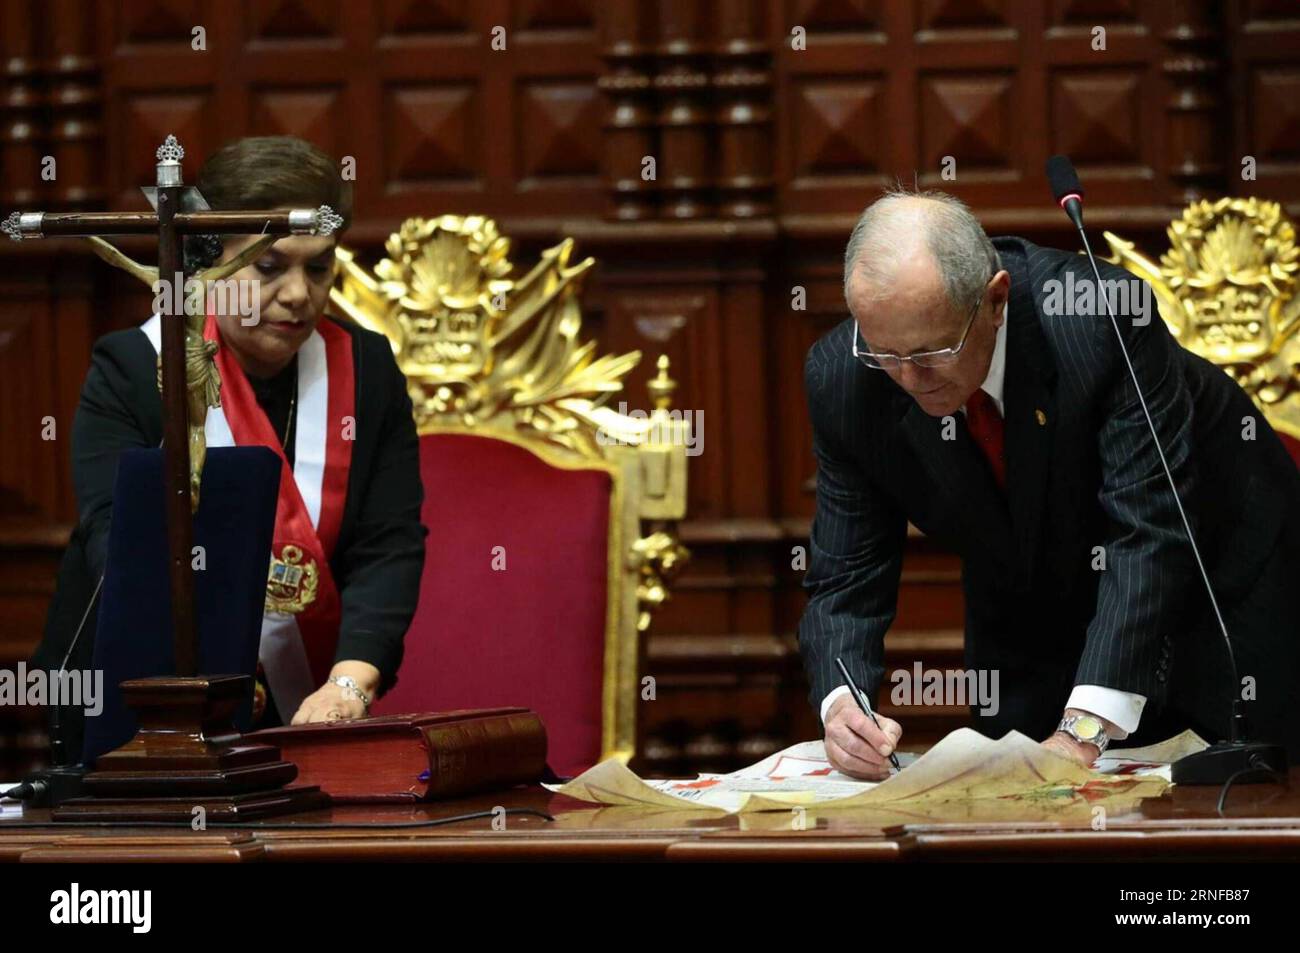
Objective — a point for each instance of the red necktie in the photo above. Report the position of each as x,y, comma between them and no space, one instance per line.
985,425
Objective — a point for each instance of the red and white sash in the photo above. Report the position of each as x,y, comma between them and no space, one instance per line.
298,640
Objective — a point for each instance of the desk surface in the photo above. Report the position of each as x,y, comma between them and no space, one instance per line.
1262,822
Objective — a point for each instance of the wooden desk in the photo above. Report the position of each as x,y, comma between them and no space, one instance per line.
1263,823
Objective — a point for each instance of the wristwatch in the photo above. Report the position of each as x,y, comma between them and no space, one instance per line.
1087,729
348,683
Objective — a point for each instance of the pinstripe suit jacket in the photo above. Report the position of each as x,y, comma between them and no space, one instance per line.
1082,472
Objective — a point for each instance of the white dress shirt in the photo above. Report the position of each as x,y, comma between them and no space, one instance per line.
1122,709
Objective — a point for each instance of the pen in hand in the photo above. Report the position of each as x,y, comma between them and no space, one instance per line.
865,705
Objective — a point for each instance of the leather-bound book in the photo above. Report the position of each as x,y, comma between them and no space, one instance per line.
415,757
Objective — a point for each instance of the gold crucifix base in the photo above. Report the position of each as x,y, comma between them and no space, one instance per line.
187,761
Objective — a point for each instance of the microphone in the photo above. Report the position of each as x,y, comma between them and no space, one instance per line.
1226,761
1066,188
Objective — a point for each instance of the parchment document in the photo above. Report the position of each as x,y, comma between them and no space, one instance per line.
964,766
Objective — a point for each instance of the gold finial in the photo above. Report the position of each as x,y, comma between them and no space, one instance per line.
661,386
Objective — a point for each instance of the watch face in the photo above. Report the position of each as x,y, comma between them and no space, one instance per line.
1087,727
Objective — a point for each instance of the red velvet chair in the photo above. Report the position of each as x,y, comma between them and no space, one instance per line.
1292,446
550,515
1229,290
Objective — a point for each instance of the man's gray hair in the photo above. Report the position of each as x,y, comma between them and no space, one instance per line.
965,257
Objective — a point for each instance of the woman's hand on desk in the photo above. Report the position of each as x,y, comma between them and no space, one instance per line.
854,745
334,702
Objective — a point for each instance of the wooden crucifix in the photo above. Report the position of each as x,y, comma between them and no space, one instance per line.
187,371
186,754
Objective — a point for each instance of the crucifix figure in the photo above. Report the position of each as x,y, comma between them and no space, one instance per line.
188,376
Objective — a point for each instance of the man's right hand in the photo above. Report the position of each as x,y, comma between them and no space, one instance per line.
854,745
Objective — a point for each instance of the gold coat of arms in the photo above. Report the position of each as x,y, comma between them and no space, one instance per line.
291,582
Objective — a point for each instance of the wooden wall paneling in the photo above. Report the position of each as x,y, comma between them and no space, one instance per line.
1264,88
1195,58
44,348
513,133
742,84
22,108
49,107
26,467
682,81
743,419
62,344
631,133
434,116
969,101
721,671
558,108
838,131
887,90
157,85
723,663
697,293
30,549
813,271
435,119
75,132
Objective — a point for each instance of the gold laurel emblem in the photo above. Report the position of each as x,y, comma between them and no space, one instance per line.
259,701
290,582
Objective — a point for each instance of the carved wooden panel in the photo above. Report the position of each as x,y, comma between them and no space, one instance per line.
1093,12
293,20
968,117
838,129
559,125
973,95
309,113
577,16
836,15
962,14
1276,119
1096,117
145,22
435,136
1266,84
412,17
144,119
21,126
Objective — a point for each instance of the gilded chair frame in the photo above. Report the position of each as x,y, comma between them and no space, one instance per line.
500,357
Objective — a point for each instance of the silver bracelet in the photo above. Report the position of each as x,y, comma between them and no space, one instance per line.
349,684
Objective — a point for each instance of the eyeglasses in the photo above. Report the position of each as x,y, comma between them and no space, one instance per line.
940,358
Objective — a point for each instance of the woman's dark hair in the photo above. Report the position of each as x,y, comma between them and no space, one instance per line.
266,172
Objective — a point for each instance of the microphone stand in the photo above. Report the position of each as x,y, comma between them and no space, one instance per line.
61,781
1225,761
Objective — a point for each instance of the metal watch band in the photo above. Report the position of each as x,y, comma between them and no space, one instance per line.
1101,741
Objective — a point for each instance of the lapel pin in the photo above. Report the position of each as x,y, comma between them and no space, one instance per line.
1041,418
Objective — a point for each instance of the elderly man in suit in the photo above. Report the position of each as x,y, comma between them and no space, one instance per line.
961,398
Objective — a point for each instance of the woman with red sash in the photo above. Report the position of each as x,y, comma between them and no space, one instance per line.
327,396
